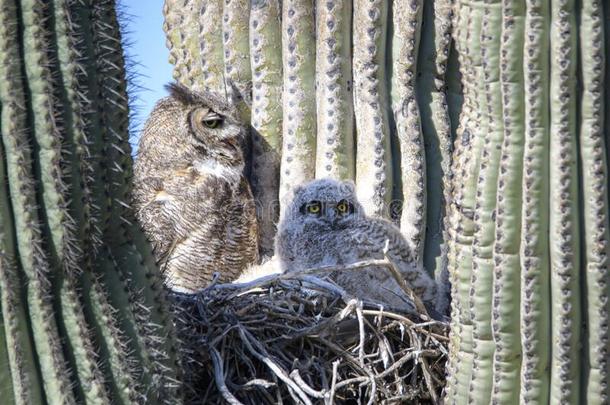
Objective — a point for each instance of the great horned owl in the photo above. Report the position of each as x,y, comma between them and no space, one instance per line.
191,196
325,224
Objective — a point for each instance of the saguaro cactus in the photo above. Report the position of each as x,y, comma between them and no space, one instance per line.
84,314
539,295
496,147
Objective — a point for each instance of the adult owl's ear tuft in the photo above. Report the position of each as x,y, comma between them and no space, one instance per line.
181,93
239,93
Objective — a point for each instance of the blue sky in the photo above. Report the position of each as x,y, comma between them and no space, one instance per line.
145,33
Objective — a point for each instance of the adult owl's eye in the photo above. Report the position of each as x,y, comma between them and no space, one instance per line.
314,207
212,121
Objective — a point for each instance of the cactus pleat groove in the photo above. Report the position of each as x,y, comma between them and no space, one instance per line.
431,87
84,314
267,83
405,45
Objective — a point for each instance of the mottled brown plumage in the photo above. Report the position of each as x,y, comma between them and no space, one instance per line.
192,198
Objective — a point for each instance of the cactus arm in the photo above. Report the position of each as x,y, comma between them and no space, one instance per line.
535,293
53,368
210,60
482,268
374,157
564,208
407,19
595,204
335,154
436,128
299,104
266,59
507,269
235,35
125,238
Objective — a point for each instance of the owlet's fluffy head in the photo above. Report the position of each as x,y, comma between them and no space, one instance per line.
325,203
190,124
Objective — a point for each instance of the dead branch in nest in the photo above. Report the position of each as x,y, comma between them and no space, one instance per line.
296,338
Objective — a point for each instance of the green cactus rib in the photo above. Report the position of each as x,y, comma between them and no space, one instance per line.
595,205
373,160
6,380
174,37
436,128
20,381
482,266
468,146
407,21
236,43
51,361
564,209
190,31
126,240
535,265
335,154
299,103
507,268
266,59
210,42
113,299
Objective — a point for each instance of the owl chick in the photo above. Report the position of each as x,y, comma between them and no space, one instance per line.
192,199
325,224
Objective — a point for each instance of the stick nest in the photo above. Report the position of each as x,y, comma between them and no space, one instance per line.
302,339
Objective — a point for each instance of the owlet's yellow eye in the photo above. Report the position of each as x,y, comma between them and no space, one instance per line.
314,207
342,207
